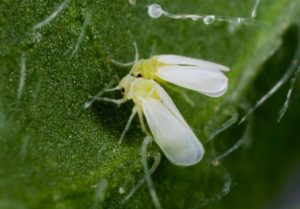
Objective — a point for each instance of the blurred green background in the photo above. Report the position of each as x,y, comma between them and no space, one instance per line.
55,154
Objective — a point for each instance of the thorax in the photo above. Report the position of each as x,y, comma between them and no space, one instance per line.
142,89
147,68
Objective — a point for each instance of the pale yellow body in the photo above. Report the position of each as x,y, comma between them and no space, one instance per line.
147,68
138,89
168,128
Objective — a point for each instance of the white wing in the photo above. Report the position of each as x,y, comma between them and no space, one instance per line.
207,81
181,60
176,140
168,102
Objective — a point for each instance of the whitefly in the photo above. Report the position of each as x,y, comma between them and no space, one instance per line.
194,74
167,126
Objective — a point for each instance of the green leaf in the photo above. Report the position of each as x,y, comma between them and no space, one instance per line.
55,154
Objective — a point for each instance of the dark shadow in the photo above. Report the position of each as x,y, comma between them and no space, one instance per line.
114,118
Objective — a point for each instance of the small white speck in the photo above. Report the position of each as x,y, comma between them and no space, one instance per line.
215,162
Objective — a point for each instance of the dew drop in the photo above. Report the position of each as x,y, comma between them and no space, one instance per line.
209,19
253,14
215,162
155,11
87,105
122,190
132,2
240,20
194,17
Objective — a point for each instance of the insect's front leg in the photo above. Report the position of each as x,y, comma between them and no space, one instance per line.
106,99
113,89
116,101
107,88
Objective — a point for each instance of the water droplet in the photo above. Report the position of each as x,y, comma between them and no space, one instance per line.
253,14
240,20
132,2
215,162
87,105
194,17
209,19
155,11
122,190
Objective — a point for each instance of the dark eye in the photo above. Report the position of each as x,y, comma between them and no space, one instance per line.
123,90
139,75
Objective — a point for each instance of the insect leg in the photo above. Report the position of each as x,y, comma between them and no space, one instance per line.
141,119
113,89
105,89
184,95
134,111
121,64
187,99
116,101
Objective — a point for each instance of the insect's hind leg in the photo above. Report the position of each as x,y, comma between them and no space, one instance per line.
187,99
184,95
133,113
141,119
